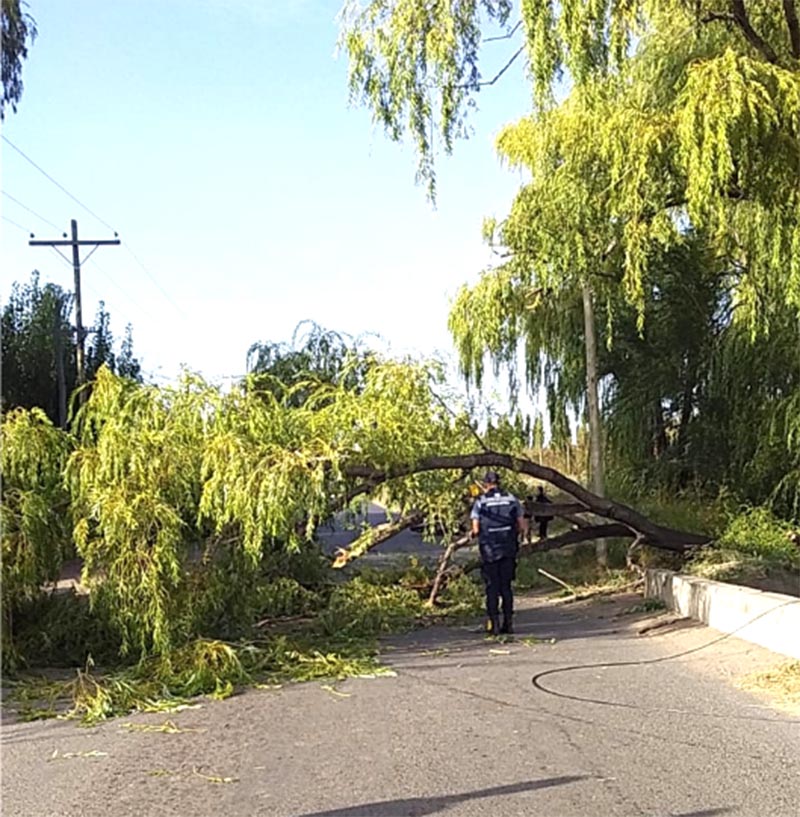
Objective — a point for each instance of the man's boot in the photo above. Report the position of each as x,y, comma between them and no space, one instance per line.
493,626
507,628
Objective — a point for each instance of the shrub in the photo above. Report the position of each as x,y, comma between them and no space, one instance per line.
759,532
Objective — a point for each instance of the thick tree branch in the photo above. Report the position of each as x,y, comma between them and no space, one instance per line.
570,537
657,535
738,16
792,23
577,535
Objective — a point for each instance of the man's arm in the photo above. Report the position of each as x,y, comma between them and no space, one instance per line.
475,518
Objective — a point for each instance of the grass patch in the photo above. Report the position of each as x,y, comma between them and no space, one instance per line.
578,569
766,572
780,684
758,532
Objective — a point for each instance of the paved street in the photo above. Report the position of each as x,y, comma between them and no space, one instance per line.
460,731
345,529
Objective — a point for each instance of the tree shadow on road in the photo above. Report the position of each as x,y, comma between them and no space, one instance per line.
420,806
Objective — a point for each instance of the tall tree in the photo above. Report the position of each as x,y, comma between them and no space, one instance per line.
18,30
37,351
39,354
683,114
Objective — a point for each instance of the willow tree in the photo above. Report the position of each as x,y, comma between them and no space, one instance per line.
688,109
683,113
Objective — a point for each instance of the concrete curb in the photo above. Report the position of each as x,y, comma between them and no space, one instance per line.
771,620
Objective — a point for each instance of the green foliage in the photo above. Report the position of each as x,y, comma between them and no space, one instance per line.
193,510
364,608
134,481
759,532
37,338
62,629
35,511
315,356
35,322
413,63
285,596
462,598
18,30
577,568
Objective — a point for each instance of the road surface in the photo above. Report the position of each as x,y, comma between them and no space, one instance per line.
460,731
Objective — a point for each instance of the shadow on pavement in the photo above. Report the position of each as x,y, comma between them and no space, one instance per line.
540,624
419,806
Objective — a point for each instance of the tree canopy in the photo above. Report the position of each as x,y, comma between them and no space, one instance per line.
666,180
18,30
38,348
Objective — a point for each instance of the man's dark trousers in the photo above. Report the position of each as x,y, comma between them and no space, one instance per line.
497,576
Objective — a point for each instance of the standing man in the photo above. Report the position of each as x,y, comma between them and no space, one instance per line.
497,521
543,521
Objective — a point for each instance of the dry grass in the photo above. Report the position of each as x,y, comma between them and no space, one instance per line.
781,685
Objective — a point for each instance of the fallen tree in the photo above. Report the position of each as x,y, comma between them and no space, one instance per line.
630,521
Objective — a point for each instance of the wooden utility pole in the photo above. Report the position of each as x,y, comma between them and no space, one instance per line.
596,472
58,352
76,266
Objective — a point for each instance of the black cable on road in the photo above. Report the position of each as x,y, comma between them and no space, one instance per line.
537,684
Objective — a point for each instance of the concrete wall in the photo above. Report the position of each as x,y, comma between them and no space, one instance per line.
771,620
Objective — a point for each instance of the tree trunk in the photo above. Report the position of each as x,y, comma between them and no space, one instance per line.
596,473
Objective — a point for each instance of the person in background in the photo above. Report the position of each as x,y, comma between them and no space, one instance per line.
542,520
498,521
528,507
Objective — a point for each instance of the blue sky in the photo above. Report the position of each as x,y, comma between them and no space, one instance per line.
215,136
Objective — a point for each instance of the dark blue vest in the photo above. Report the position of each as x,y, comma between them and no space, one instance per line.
497,515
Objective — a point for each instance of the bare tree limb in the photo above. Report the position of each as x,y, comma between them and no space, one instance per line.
753,37
504,36
738,16
444,563
656,535
570,537
497,75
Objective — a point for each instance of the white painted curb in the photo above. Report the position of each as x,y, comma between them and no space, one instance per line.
771,620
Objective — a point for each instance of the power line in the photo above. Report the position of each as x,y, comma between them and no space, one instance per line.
102,221
19,226
123,291
32,212
154,279
59,186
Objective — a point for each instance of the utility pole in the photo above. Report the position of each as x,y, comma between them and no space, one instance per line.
76,266
58,351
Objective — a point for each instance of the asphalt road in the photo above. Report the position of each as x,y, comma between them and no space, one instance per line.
406,543
460,731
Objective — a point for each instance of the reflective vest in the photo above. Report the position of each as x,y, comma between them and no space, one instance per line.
497,516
